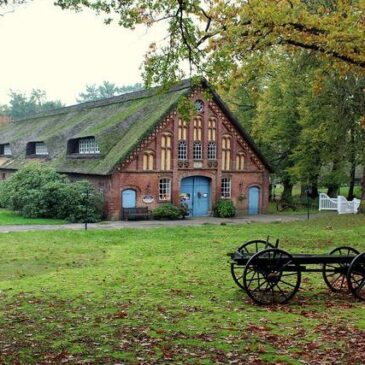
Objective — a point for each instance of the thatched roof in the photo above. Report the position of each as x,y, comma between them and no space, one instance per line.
118,124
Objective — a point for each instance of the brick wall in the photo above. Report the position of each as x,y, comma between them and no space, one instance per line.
131,175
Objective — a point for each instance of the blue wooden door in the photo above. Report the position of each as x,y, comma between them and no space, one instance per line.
129,198
253,200
195,192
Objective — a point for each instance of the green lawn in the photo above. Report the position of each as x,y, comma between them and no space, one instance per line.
8,217
156,296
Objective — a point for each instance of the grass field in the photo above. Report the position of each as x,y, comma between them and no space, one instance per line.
161,296
8,217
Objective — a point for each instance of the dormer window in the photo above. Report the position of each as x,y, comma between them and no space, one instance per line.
88,146
37,149
41,149
5,149
83,147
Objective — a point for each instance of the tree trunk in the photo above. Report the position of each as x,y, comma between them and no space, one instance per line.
314,191
350,195
303,191
332,188
288,191
363,184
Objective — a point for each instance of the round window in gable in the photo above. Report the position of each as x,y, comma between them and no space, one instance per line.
199,106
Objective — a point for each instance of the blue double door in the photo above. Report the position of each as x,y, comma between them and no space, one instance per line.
195,192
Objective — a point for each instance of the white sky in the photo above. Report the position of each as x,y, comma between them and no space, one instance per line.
44,47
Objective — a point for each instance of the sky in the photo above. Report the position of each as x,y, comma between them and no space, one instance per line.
59,51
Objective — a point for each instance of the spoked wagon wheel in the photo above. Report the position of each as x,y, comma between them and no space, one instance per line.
271,277
249,248
334,275
356,277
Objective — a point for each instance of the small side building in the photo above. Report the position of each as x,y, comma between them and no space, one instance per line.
137,150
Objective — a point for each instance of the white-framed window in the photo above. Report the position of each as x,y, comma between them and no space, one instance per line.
165,189
197,151
226,188
41,149
5,149
212,151
88,146
182,152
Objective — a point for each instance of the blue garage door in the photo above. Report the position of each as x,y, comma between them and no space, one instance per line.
195,192
253,200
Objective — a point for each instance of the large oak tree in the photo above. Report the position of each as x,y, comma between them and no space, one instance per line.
217,35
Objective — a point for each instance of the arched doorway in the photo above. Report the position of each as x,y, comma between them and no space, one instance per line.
253,200
129,198
195,192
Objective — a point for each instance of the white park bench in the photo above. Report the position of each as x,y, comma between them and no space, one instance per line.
341,204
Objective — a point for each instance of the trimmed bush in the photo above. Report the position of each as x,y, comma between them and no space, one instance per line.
225,209
184,210
37,191
167,211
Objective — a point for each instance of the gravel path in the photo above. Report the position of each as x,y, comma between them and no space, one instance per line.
263,218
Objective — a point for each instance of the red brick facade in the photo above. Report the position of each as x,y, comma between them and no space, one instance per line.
131,175
211,126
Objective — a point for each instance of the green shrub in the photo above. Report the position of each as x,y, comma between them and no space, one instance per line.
225,209
84,204
166,211
23,187
184,210
37,191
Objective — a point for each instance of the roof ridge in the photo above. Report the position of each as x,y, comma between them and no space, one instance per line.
134,95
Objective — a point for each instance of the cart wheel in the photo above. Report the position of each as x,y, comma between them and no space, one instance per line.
271,277
334,275
356,276
250,247
254,246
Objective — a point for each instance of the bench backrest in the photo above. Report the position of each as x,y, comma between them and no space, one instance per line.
135,210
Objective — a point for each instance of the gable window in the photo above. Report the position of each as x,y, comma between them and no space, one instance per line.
226,152
197,151
88,146
182,152
199,106
240,161
212,151
165,189
198,129
226,187
5,149
183,130
166,142
148,160
212,129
